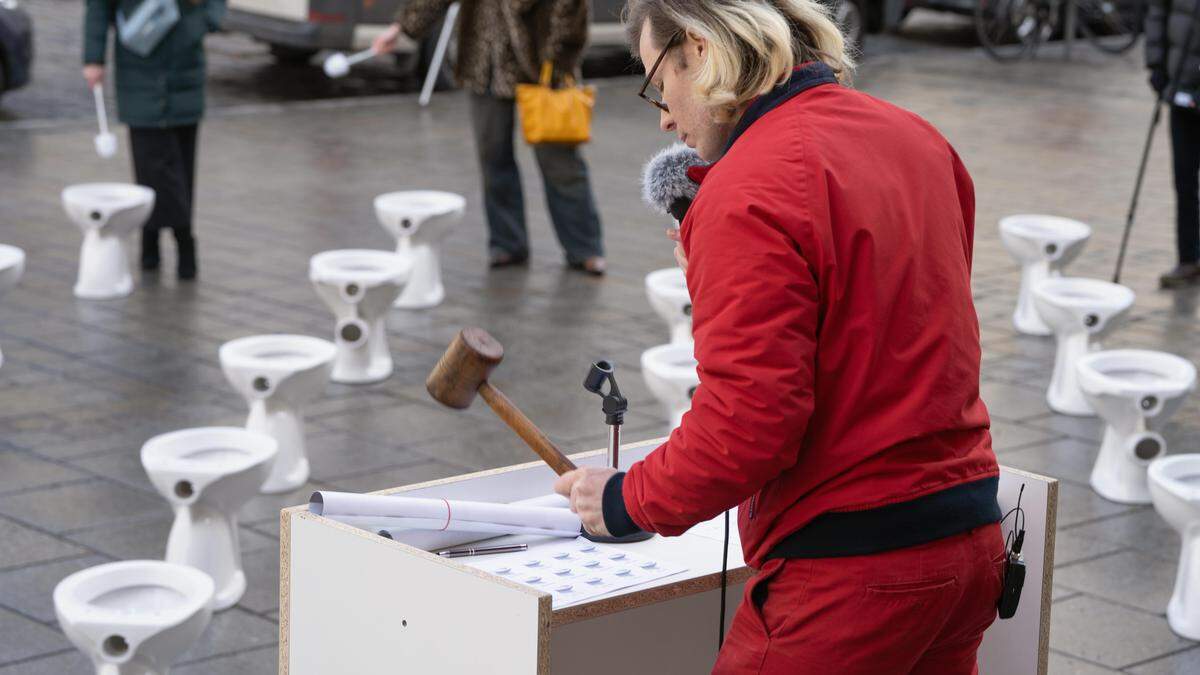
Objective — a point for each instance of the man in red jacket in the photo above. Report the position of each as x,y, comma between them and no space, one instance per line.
828,255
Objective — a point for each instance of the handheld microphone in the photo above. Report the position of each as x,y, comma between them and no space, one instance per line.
666,187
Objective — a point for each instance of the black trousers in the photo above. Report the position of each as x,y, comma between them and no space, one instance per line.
164,160
1185,152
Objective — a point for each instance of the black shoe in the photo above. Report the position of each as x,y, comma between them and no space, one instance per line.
150,252
505,259
187,258
595,266
1184,274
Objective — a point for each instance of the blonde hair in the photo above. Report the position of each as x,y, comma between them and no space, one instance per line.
753,45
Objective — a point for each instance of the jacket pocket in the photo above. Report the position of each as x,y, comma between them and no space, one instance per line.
915,587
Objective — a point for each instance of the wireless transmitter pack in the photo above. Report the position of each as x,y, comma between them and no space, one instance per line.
1014,563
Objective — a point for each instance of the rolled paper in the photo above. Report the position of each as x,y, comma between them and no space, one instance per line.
396,512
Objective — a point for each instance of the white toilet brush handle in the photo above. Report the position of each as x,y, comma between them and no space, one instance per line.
359,57
101,113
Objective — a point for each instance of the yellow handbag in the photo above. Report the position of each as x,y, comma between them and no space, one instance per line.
551,115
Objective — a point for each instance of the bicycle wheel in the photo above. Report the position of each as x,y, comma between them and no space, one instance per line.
1009,29
1112,26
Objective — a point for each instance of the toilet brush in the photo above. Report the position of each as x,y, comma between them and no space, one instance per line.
338,64
615,406
106,141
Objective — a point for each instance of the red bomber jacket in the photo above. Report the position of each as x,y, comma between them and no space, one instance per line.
829,263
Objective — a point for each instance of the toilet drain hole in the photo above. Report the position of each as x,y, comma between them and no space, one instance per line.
95,215
1051,249
406,224
1149,402
687,310
351,333
1147,449
115,645
261,384
1091,320
183,489
352,290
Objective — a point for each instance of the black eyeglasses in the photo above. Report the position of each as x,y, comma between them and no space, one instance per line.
657,103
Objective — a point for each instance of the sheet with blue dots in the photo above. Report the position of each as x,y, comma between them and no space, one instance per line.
574,570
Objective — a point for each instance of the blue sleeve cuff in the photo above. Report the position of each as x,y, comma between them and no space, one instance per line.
612,503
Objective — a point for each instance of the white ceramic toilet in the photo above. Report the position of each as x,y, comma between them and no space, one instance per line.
279,375
1175,489
207,474
134,617
419,220
12,266
670,373
668,293
1042,245
1135,392
107,213
1079,311
359,286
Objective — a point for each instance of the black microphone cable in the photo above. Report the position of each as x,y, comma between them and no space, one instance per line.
724,580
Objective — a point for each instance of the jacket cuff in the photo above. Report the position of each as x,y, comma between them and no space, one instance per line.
612,503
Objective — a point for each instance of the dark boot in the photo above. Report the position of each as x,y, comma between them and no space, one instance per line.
186,246
1184,274
149,250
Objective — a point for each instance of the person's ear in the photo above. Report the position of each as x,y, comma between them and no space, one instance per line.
695,46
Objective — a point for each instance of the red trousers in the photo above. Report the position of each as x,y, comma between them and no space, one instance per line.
919,610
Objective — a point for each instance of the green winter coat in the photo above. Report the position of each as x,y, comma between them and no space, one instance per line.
166,87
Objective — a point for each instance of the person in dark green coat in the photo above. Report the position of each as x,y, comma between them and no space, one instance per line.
161,97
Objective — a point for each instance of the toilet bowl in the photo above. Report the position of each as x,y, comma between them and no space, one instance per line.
134,617
670,373
419,220
668,293
1175,489
1135,392
359,286
1079,311
279,375
12,266
207,474
1042,246
107,213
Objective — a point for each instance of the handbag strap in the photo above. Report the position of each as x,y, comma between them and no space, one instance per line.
547,73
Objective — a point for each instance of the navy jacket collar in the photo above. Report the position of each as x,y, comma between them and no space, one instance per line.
803,78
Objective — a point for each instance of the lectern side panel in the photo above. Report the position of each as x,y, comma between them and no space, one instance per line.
364,605
676,637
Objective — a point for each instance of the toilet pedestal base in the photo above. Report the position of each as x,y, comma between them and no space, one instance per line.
424,288
206,538
1064,394
1119,475
290,469
1026,318
130,668
103,268
1183,610
368,361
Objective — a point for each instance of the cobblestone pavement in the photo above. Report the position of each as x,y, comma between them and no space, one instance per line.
85,383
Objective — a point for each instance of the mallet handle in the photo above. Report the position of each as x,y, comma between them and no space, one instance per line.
526,429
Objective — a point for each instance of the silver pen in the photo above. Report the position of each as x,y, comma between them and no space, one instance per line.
482,550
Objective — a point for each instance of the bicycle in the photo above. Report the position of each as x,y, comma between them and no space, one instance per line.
1011,29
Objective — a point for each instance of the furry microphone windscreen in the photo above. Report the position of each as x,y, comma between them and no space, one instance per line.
666,187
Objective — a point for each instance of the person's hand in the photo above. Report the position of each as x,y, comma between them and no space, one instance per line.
386,42
94,74
1159,80
673,235
585,488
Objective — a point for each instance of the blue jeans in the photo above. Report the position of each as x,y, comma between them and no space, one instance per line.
564,174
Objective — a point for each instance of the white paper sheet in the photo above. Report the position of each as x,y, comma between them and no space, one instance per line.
428,534
574,571
715,529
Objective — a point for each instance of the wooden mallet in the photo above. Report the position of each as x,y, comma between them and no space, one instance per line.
463,371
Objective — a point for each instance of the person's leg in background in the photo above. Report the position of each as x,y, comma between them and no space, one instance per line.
1185,155
572,206
185,240
492,120
159,164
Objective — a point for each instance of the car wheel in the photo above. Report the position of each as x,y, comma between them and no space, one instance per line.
292,56
851,18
